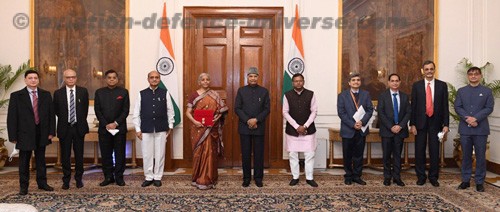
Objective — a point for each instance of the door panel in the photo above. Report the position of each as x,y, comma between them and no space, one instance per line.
225,45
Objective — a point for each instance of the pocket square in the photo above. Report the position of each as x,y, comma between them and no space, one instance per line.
119,97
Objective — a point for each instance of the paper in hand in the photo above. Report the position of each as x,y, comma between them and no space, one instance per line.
359,115
14,153
113,131
441,136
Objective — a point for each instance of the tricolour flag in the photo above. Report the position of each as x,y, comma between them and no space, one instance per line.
166,66
295,63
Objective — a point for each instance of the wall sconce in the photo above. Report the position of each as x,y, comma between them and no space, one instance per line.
382,72
50,70
96,74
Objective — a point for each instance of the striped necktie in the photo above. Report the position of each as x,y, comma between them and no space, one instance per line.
35,107
72,113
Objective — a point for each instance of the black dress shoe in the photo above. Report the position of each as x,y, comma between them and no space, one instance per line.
387,181
463,185
294,182
479,187
106,182
120,182
434,183
421,182
46,188
147,183
359,181
79,184
312,183
157,183
348,182
65,186
259,183
245,183
23,192
399,182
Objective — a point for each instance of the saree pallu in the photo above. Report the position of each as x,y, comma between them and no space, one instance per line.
207,141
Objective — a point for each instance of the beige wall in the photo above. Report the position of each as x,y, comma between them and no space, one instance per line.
466,29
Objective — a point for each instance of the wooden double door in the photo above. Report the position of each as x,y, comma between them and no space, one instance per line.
226,42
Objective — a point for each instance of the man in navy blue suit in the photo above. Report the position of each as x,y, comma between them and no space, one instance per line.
474,103
394,113
353,136
429,115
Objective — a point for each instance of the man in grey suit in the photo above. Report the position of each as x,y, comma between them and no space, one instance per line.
394,113
474,103
353,136
31,125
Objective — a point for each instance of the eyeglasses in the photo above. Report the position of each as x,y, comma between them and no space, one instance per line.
474,74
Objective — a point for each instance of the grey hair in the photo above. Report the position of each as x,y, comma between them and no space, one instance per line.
202,75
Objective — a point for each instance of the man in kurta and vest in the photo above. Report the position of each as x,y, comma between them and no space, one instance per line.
299,110
153,120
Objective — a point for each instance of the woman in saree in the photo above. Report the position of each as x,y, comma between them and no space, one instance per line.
206,140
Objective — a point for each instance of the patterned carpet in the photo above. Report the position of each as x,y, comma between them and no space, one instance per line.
176,194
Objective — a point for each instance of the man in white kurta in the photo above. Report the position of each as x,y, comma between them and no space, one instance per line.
153,120
299,110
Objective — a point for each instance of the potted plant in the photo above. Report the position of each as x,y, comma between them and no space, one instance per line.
7,78
462,67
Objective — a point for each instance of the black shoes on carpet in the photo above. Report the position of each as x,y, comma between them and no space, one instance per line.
156,183
465,185
107,181
119,182
312,183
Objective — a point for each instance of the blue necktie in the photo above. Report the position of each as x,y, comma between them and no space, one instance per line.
396,109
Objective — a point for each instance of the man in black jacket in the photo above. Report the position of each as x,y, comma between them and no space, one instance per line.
394,113
429,115
31,126
71,105
111,107
252,106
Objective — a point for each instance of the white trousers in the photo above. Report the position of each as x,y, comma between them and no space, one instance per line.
153,154
293,157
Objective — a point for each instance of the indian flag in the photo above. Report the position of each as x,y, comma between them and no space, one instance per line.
166,66
295,63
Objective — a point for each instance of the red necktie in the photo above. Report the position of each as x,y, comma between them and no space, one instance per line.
429,106
35,107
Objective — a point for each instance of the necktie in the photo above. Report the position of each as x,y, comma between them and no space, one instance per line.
396,108
35,107
72,114
429,106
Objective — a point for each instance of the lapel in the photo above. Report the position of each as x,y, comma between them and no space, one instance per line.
64,98
350,100
389,103
25,96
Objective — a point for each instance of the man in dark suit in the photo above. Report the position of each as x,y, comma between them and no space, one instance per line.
429,115
394,112
71,105
474,103
353,131
252,105
31,126
111,107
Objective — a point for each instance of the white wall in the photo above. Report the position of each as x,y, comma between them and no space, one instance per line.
466,29
491,49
